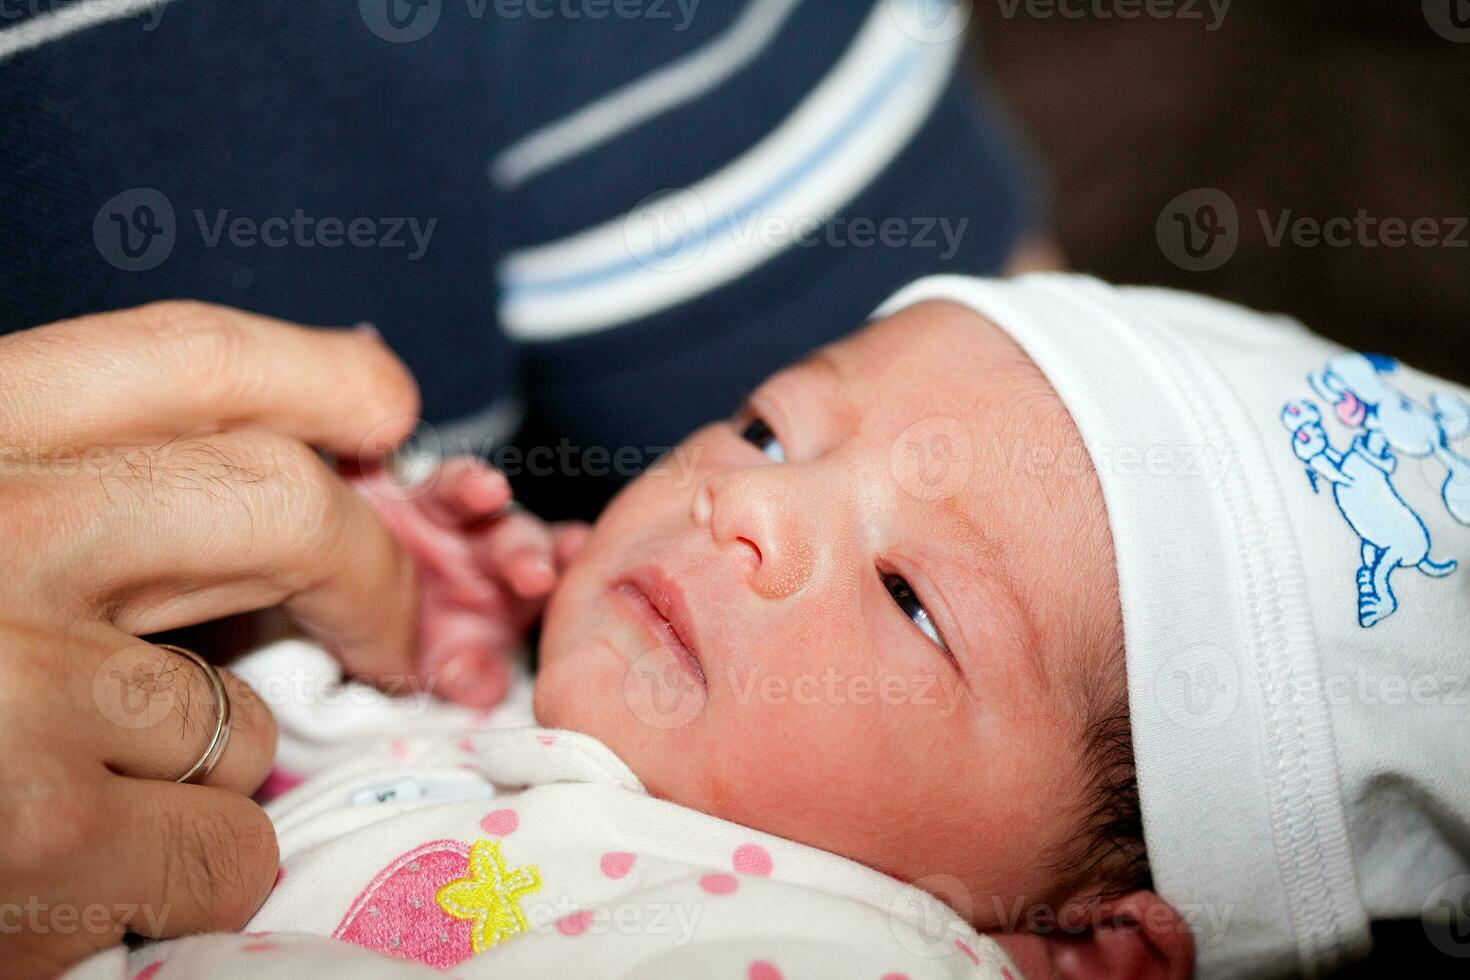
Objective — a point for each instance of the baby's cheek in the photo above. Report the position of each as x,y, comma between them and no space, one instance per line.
811,770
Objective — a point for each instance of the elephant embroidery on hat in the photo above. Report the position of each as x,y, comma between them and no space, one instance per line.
1363,398
1386,425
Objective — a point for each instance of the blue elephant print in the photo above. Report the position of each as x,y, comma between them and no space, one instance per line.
1385,425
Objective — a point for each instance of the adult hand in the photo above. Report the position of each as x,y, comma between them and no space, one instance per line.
155,472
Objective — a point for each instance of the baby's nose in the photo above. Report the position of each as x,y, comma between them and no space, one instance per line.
788,573
751,513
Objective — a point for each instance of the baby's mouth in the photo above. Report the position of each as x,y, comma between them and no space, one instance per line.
659,604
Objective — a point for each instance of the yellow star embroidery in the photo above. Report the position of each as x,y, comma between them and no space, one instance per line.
490,896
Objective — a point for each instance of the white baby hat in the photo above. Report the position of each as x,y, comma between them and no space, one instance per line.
1292,528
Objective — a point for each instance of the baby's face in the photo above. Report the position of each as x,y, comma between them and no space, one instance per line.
863,622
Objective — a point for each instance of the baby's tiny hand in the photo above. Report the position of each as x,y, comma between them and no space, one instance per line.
485,568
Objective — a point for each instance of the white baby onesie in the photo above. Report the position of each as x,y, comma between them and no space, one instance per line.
445,840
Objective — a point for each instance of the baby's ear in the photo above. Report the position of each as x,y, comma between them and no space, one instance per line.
1138,936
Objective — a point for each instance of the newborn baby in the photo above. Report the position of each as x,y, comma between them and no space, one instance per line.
908,615
849,532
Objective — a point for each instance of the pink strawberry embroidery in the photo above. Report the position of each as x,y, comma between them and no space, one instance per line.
440,904
396,913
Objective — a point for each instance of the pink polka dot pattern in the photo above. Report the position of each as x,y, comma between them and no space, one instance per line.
500,822
1006,974
259,947
763,970
574,924
719,884
546,739
895,976
149,972
465,745
615,864
399,750
752,859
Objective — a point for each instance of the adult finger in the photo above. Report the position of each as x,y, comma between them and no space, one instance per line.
187,858
156,716
152,372
205,528
117,854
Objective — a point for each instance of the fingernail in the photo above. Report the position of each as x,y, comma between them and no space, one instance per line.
366,327
537,575
470,678
483,491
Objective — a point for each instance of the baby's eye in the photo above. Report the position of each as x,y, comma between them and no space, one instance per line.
759,434
903,594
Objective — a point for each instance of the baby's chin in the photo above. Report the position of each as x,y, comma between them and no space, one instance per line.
566,694
582,677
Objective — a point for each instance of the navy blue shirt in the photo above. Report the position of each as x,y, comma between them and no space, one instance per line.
597,221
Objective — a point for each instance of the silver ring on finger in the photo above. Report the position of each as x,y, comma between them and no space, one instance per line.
215,750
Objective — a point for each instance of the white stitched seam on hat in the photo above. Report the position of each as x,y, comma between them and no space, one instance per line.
1291,801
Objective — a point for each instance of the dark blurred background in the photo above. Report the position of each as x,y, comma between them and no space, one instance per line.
1322,107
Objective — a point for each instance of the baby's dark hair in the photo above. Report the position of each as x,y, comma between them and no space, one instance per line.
1106,857
1109,855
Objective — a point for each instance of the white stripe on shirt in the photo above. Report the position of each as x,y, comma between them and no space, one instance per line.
652,95
683,242
57,23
